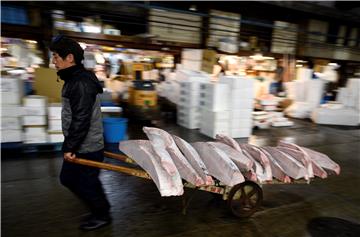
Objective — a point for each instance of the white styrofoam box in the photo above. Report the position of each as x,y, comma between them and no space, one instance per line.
213,131
12,111
276,114
242,104
240,123
345,116
261,124
191,113
188,101
10,123
189,110
34,120
55,124
187,123
190,85
194,94
37,138
314,92
11,90
241,94
353,85
282,123
241,113
192,54
56,137
34,111
237,82
11,136
296,90
191,65
269,102
303,74
242,132
35,135
35,130
213,96
280,119
212,117
190,75
269,107
35,101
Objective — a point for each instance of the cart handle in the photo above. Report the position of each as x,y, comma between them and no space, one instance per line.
106,166
119,157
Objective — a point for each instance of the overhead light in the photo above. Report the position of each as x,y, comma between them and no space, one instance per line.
193,8
31,41
260,57
299,65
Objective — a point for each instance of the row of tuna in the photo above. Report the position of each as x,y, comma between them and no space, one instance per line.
169,159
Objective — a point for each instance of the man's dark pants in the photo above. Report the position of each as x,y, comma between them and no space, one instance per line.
84,182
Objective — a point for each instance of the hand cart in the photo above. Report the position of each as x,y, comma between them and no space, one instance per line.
243,199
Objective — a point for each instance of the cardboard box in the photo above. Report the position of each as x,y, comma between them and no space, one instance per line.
47,84
209,60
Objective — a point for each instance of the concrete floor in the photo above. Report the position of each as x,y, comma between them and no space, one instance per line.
35,204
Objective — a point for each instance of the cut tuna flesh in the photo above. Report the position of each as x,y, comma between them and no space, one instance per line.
141,151
243,163
323,161
187,172
291,166
219,164
194,159
228,141
277,171
260,157
315,169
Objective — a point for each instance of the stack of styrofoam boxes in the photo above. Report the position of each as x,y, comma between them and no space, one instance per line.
241,104
188,111
188,107
191,59
11,110
34,120
54,124
214,104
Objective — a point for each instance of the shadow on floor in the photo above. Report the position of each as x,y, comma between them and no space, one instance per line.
332,227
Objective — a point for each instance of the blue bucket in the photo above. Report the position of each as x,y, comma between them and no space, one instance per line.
114,129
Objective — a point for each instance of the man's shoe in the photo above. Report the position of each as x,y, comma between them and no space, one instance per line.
95,223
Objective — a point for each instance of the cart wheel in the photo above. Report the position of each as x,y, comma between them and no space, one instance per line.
245,198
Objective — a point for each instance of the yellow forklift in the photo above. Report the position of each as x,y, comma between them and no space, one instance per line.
142,102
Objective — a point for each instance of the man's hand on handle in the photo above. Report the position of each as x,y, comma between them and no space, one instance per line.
69,156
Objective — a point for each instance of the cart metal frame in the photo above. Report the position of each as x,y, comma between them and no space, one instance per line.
243,199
